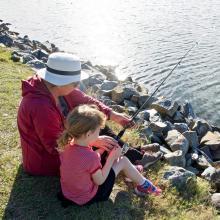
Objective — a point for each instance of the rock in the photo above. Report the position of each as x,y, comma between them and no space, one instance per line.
169,127
189,160
145,115
178,117
201,127
215,200
128,103
118,108
104,93
108,85
141,88
207,151
6,40
208,173
202,162
181,127
150,115
131,110
192,169
180,177
128,79
165,107
215,178
27,58
15,58
146,131
157,126
176,158
39,45
212,140
215,154
187,111
129,91
40,54
164,150
135,98
86,65
176,141
118,95
192,138
19,43
156,138
93,80
143,98
2,45
107,101
36,64
154,116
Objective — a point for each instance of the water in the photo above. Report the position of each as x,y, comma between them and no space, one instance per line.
142,38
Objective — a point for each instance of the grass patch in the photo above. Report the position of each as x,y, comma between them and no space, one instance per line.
26,197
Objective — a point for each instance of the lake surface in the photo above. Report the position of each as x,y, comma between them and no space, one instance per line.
142,38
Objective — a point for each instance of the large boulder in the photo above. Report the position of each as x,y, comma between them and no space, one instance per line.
201,127
94,79
187,111
176,141
40,54
165,107
211,139
108,85
37,64
181,127
143,98
176,158
118,95
180,178
6,40
192,138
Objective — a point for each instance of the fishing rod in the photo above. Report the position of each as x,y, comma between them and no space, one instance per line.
121,133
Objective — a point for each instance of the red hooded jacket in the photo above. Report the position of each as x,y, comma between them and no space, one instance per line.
40,122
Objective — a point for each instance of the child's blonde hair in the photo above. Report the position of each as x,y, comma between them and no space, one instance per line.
79,121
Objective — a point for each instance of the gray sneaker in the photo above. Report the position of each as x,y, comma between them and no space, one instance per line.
149,159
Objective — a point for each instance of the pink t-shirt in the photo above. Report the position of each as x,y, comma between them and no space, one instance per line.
78,163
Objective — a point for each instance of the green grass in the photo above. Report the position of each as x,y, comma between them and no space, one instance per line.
26,197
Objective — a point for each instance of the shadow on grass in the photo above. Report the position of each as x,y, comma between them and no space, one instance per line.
35,198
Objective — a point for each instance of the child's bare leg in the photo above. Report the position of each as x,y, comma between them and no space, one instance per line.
123,164
143,185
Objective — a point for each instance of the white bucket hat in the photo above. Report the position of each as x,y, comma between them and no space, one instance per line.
62,69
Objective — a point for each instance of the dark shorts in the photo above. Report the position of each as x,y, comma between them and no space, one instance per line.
105,189
102,194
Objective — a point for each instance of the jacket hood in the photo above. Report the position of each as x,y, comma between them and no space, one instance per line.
34,87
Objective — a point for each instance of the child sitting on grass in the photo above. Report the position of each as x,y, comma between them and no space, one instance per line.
83,178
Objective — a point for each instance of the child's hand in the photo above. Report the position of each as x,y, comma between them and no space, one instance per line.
115,153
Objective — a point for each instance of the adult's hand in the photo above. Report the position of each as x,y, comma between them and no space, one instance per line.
121,119
105,142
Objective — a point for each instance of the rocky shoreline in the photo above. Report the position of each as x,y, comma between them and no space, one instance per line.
191,145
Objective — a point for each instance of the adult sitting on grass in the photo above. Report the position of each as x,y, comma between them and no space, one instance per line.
47,99
84,180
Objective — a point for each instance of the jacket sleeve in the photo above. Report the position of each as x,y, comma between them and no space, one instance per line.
48,125
77,97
